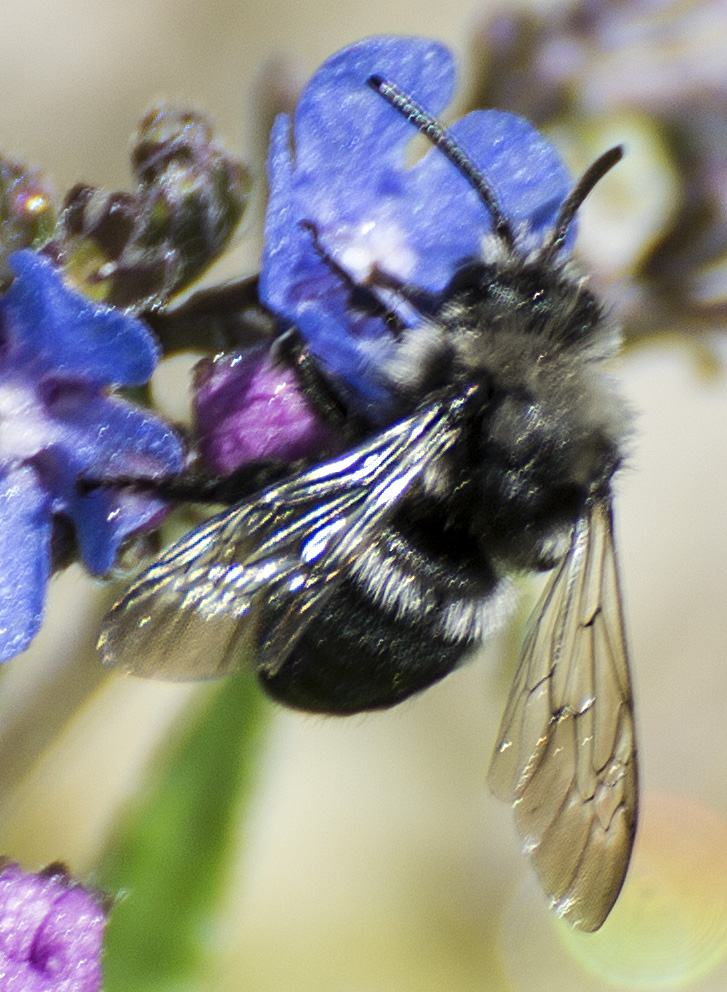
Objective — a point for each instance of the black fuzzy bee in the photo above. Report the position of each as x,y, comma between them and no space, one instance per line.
363,580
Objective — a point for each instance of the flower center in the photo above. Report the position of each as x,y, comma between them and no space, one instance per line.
24,430
376,245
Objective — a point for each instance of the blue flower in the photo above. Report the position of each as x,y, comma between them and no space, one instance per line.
59,355
344,203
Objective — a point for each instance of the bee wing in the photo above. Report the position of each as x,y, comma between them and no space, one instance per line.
566,756
240,589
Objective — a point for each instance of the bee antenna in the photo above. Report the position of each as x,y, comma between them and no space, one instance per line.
437,134
593,174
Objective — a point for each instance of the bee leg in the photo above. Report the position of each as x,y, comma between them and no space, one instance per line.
422,301
363,294
293,351
365,297
229,489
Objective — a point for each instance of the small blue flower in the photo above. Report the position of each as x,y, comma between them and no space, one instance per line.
59,355
343,203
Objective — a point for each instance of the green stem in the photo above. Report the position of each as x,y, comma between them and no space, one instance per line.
168,861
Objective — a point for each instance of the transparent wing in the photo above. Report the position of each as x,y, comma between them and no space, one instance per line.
566,756
240,589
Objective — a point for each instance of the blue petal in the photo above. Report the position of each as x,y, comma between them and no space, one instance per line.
349,343
342,124
524,171
61,352
106,439
53,327
24,559
350,145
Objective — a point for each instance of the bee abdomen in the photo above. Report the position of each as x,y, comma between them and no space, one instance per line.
404,618
356,656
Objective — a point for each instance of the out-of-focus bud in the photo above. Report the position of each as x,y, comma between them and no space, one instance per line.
27,215
658,65
51,931
136,250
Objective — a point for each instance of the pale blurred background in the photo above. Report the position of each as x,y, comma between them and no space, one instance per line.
375,859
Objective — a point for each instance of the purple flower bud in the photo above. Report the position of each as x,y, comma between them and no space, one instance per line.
51,930
248,407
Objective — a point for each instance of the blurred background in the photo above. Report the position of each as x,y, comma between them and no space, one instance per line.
366,855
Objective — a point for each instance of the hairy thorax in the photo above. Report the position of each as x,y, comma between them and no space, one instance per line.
543,432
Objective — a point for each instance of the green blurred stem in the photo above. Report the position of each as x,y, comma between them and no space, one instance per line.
168,860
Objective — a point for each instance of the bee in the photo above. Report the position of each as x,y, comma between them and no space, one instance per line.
352,584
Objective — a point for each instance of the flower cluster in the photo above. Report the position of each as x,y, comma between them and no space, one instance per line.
136,250
345,208
70,345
